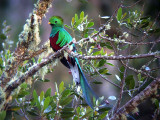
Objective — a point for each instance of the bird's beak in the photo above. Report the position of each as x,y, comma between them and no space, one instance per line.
49,23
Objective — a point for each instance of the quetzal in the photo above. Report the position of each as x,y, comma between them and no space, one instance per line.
60,37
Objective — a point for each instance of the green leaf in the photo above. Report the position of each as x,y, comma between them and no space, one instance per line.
130,82
103,115
90,24
15,108
23,85
34,61
65,93
73,21
82,15
121,72
46,102
67,26
157,103
78,110
2,115
104,109
124,15
101,63
45,80
2,37
41,96
97,82
67,114
33,113
48,92
25,62
110,64
119,14
89,113
65,101
103,71
68,109
96,53
22,94
35,96
75,118
125,47
76,17
61,87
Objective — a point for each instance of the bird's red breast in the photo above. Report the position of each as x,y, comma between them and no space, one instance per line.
53,41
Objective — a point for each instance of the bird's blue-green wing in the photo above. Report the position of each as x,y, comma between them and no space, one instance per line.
63,38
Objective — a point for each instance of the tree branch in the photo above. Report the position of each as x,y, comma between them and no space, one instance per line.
120,57
150,90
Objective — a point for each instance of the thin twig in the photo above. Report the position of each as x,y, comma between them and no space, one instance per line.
104,77
121,89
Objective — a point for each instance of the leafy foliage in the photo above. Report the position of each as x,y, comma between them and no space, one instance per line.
66,102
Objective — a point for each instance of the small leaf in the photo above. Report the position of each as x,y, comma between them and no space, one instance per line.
14,108
78,110
103,115
35,96
65,101
125,47
41,96
104,109
46,102
121,72
76,17
82,15
118,78
103,71
101,63
73,21
66,93
32,113
45,80
48,92
97,82
3,115
61,87
105,17
87,114
112,97
110,64
25,62
90,24
119,14
130,82
67,26
22,94
67,114
68,109
96,53
2,37
124,15
157,103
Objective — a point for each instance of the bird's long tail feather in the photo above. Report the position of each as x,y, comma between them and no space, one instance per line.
86,89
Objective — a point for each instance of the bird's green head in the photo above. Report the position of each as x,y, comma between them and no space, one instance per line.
56,21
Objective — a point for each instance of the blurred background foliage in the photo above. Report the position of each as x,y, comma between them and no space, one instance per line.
15,12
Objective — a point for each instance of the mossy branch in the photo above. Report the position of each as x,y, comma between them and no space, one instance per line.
27,48
29,35
150,90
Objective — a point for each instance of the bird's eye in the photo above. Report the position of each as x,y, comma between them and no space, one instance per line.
55,21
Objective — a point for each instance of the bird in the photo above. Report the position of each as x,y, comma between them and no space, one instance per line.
59,37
